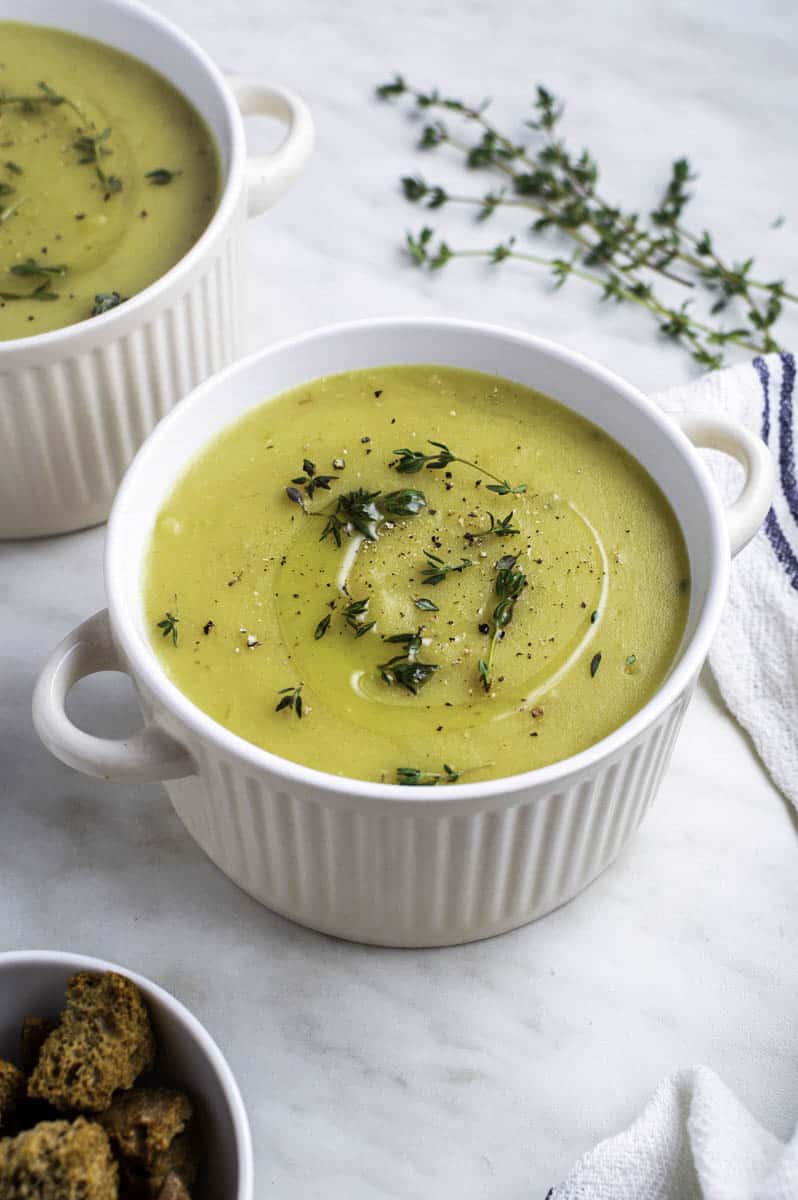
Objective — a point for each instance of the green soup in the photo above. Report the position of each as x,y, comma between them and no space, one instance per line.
107,177
496,617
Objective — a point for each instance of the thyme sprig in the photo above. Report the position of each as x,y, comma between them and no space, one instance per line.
39,293
92,149
32,267
415,777
406,668
437,568
499,528
168,626
409,462
46,96
358,512
354,613
291,698
310,481
619,251
105,301
510,583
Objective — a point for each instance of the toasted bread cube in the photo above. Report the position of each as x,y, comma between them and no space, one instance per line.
102,1043
58,1160
181,1159
143,1123
34,1033
12,1094
174,1188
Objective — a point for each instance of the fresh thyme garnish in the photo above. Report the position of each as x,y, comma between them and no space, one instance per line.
352,614
631,659
357,512
42,292
510,582
409,462
426,605
406,669
595,663
105,301
619,251
322,627
31,267
310,481
161,176
92,149
414,777
169,626
291,698
14,168
503,528
6,189
30,104
437,569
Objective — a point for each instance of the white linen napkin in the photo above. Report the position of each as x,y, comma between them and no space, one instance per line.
755,653
694,1140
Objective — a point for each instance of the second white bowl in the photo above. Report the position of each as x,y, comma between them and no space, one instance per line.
34,982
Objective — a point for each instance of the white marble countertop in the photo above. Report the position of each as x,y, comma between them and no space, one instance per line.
481,1071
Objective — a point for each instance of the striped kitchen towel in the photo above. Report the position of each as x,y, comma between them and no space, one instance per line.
755,653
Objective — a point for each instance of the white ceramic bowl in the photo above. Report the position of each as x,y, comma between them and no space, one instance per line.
33,983
76,403
378,862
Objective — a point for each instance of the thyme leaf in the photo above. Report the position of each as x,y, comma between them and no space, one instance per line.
415,777
161,176
291,699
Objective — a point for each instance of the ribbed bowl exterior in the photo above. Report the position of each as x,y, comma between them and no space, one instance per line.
70,427
416,875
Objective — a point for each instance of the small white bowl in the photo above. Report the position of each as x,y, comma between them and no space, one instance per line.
34,982
377,862
76,403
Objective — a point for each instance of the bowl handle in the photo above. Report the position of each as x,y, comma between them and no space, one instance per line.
268,175
147,756
748,511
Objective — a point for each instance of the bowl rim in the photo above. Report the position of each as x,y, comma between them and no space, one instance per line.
144,664
104,326
197,1031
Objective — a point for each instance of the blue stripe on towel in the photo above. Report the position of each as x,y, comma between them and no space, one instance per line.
775,533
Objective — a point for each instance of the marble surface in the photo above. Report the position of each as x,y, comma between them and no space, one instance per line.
481,1071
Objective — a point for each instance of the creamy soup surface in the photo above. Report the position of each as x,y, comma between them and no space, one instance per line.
525,624
108,176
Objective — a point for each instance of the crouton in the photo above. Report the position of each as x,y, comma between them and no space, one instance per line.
58,1160
181,1159
143,1122
12,1093
34,1033
174,1188
102,1043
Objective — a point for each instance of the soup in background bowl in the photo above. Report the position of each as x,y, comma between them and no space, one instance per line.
108,176
449,860
77,401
